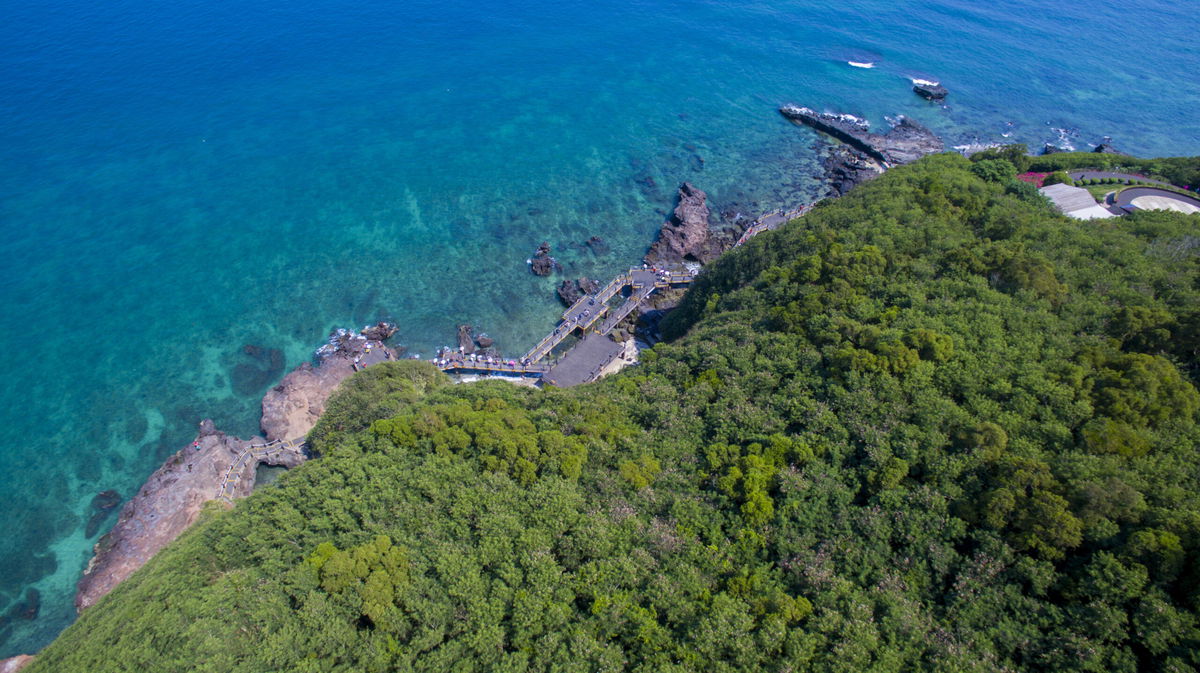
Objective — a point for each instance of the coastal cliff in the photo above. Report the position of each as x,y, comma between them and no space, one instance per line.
174,496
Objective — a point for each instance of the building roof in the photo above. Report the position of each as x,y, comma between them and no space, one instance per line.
1075,202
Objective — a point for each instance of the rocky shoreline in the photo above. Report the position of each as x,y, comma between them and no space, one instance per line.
175,494
864,154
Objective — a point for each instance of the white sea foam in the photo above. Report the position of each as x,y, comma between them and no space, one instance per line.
858,64
923,82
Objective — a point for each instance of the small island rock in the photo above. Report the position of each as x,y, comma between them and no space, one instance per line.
542,263
931,91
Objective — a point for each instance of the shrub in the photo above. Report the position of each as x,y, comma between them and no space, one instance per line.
1057,178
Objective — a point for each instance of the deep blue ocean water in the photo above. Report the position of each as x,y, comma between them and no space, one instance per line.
179,180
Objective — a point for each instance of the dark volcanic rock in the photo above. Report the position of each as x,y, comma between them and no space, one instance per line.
598,246
865,154
906,141
846,167
381,331
568,292
542,263
1050,148
484,341
1106,148
685,237
935,92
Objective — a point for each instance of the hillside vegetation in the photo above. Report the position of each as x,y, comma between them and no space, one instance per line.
931,426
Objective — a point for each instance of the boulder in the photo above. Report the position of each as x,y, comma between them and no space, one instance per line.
484,341
931,91
1107,148
465,341
588,286
1050,148
381,331
685,237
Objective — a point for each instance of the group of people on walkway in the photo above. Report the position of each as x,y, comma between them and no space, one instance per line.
449,358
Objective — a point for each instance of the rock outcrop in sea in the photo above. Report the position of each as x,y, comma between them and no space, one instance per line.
173,497
686,237
542,264
931,91
570,291
1107,148
865,154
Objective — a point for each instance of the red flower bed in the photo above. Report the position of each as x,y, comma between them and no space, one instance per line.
1035,179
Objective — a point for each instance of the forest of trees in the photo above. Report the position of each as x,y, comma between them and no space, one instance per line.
931,426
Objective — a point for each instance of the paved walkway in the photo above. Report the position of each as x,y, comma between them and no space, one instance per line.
584,362
255,452
1152,198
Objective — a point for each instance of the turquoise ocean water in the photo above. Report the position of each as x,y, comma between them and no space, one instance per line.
180,180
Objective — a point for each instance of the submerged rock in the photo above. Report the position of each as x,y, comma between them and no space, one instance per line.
250,379
597,246
106,500
103,506
686,236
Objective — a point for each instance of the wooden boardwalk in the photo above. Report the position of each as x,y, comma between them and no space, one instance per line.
256,452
